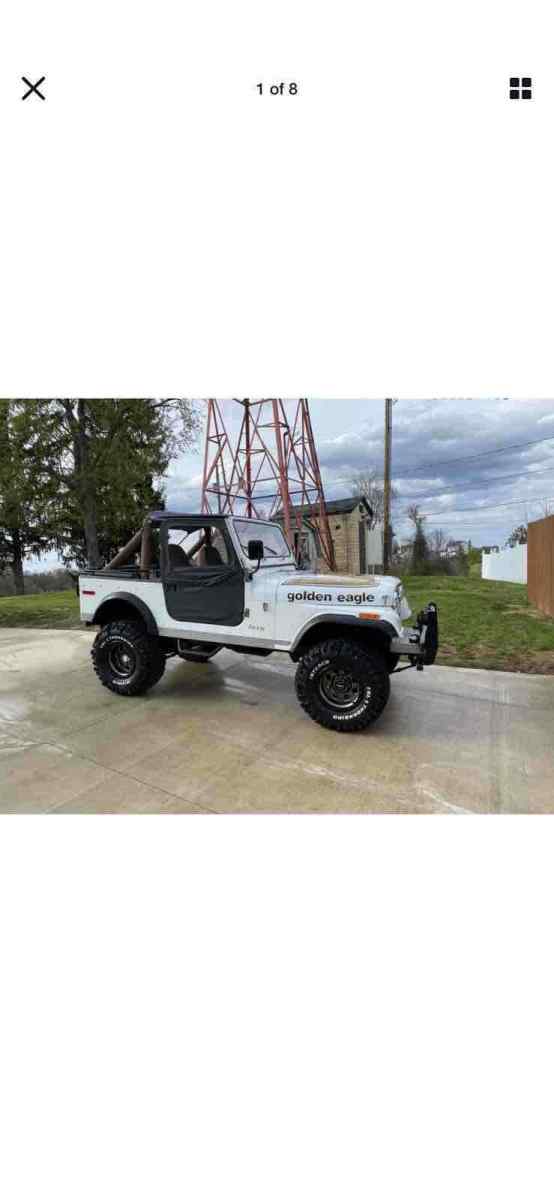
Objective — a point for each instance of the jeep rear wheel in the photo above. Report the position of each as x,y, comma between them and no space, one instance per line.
126,659
342,685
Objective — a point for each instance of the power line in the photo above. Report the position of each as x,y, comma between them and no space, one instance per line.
486,524
467,531
462,487
445,462
484,507
486,520
471,457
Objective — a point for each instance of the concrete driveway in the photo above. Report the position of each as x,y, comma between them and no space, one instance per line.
231,737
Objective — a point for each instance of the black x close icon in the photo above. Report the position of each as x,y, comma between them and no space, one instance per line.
33,87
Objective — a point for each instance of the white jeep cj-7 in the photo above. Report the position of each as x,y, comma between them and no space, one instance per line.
194,585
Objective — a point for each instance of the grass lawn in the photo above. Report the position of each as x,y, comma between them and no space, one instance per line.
46,610
482,623
485,624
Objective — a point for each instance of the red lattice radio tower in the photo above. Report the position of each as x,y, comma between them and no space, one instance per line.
271,468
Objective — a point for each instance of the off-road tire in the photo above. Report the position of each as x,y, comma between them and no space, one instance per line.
130,639
368,672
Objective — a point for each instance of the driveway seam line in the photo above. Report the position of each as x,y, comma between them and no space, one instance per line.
124,775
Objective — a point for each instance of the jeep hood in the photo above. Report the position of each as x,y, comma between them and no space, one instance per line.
342,581
355,590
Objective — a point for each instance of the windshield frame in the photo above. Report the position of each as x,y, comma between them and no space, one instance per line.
286,559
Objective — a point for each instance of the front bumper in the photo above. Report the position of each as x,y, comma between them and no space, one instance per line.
422,642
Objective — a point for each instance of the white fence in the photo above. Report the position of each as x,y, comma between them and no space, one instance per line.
506,566
374,548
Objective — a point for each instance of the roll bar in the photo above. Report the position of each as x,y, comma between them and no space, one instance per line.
142,540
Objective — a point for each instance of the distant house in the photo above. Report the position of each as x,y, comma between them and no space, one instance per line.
358,548
450,549
453,548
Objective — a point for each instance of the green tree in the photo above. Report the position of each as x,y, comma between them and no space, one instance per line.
96,463
23,501
518,536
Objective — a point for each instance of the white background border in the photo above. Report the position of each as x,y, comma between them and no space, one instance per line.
164,230
268,1007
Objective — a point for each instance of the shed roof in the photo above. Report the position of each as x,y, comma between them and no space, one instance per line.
333,507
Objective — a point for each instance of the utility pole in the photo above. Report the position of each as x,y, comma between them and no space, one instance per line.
246,404
387,488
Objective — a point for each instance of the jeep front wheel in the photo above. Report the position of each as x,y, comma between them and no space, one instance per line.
342,685
126,659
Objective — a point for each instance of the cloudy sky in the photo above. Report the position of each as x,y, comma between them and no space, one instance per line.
463,461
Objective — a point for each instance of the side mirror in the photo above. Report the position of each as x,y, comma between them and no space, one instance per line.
255,550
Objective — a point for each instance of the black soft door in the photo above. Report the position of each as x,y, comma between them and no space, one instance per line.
209,595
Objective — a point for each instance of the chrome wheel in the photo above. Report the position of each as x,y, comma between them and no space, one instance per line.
339,689
121,660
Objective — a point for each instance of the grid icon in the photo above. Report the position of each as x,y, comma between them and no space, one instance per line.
521,87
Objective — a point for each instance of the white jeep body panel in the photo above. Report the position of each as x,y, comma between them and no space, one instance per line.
189,585
281,602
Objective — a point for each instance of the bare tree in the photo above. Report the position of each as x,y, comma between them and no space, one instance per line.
438,542
420,549
368,485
